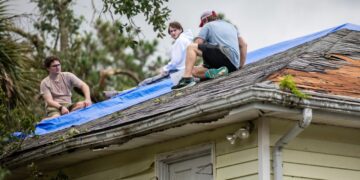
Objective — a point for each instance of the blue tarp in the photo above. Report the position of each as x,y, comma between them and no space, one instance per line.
101,109
283,46
143,93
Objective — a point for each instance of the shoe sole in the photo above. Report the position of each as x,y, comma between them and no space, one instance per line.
189,85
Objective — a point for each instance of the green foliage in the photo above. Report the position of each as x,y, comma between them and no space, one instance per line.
115,45
154,11
3,172
57,22
15,77
16,84
288,83
110,48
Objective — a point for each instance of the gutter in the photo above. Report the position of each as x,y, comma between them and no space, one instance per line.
290,135
121,133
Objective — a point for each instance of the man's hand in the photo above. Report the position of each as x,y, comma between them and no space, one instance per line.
87,103
64,110
163,73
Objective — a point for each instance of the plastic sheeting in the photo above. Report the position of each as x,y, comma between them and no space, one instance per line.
143,93
283,46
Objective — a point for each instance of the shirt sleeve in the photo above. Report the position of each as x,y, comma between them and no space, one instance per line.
73,80
44,89
176,54
204,32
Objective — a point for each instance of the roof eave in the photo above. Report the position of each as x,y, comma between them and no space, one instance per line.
256,97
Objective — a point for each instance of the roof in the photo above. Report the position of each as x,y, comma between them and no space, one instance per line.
327,68
142,93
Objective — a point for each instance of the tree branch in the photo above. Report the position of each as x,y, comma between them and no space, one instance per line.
34,39
110,72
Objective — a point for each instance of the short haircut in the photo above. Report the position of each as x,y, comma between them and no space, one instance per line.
175,25
49,60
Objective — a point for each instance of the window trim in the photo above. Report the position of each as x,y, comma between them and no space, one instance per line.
164,159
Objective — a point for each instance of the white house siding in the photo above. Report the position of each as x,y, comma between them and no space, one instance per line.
238,165
320,152
230,161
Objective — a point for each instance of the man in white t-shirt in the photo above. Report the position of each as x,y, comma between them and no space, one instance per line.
56,89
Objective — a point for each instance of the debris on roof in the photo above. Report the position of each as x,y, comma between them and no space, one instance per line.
329,66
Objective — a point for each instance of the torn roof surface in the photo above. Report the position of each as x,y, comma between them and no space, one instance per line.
327,65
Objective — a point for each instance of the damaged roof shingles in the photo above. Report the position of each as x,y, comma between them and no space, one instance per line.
313,64
332,68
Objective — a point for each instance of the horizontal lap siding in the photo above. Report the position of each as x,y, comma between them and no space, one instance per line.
323,160
138,164
320,166
320,152
317,172
242,164
248,177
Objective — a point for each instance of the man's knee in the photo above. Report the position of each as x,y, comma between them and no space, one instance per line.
193,47
195,71
199,71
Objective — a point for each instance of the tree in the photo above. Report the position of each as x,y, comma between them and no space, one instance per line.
16,85
154,11
115,46
109,60
16,80
115,51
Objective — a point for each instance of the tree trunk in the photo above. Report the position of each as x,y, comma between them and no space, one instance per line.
61,7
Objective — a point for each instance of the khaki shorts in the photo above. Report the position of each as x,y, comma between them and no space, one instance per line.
51,111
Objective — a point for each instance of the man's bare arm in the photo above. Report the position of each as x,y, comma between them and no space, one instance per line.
243,51
86,90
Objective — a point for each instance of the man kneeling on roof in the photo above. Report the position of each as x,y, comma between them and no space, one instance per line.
56,89
222,48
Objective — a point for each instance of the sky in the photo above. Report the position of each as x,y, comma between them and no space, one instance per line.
260,22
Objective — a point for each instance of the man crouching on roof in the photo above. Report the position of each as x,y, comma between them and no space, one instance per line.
221,46
56,89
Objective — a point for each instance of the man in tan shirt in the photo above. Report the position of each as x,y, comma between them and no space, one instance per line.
56,89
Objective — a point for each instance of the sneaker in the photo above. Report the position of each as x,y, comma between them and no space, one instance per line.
184,83
214,73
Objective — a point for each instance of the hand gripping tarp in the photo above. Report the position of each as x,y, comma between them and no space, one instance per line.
143,93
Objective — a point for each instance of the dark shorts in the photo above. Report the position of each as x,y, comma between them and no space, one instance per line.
214,58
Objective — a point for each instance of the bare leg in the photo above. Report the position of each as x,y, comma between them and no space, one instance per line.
199,71
191,52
